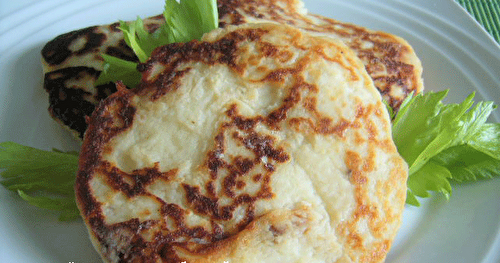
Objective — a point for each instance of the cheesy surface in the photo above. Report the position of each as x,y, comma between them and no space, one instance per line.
261,143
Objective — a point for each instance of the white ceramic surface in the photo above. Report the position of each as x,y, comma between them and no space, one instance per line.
456,54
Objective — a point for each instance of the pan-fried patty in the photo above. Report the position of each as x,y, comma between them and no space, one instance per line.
389,59
72,63
261,143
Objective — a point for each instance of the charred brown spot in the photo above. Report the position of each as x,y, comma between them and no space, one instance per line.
202,204
262,147
277,230
257,177
58,50
141,178
68,104
240,185
122,51
269,50
241,122
115,27
215,161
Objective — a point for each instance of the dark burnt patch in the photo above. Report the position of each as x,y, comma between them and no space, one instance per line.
58,50
72,105
243,123
67,104
104,91
262,146
204,205
122,51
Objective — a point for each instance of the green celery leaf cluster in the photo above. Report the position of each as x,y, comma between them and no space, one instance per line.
445,142
184,21
42,178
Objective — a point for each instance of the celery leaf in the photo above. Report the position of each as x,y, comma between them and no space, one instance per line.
43,178
184,21
431,177
443,142
116,69
468,164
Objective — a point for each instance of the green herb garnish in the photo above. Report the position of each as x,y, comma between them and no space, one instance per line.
184,21
42,178
445,142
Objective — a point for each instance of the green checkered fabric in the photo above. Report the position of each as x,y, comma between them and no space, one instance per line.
486,12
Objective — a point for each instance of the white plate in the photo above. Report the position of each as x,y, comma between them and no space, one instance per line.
456,53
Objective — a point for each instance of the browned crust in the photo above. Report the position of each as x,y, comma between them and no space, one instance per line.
391,61
389,54
116,114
